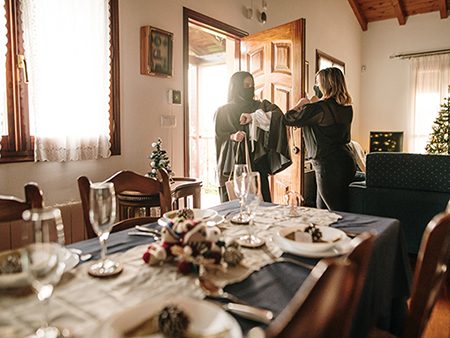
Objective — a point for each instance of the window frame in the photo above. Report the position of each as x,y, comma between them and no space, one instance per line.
18,145
333,60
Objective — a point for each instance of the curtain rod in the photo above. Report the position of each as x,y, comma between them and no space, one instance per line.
411,55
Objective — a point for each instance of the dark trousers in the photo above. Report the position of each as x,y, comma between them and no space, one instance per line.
333,175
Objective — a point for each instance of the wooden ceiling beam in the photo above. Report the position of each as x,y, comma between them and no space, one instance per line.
399,12
359,14
443,9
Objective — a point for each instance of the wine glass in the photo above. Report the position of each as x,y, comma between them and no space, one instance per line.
240,182
102,214
253,200
293,201
43,259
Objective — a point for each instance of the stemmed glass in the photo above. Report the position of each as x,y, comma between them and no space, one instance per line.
240,180
43,259
102,214
253,200
293,201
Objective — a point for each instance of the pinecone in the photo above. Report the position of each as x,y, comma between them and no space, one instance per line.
316,234
186,213
173,322
232,254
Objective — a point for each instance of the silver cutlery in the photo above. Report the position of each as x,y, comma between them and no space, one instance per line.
249,312
285,259
141,233
83,257
149,230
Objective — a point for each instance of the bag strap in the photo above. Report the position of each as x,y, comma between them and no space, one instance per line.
247,156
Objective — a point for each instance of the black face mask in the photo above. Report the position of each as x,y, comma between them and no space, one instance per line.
319,94
248,93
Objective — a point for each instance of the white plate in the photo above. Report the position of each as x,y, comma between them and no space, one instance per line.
331,236
342,247
199,215
17,280
206,318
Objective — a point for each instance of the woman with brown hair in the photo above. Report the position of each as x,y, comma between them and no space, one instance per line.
326,131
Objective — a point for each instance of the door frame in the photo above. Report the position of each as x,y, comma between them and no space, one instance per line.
218,26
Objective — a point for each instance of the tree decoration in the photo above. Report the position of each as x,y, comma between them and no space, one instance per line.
158,159
439,139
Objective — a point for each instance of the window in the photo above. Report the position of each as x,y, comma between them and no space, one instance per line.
430,78
324,61
41,81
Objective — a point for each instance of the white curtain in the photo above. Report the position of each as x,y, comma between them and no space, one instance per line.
68,54
430,78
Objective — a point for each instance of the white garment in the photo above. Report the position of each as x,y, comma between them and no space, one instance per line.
261,120
358,154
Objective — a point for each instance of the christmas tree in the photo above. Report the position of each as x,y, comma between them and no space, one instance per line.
158,160
439,139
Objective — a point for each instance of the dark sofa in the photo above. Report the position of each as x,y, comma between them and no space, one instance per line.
412,188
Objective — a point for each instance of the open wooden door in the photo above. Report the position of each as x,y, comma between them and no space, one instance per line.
276,59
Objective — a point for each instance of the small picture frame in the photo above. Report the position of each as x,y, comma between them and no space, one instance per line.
156,52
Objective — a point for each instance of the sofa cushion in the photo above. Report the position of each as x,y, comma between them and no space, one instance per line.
408,171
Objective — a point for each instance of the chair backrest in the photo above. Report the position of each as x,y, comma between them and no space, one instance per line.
11,208
360,255
429,274
129,181
317,305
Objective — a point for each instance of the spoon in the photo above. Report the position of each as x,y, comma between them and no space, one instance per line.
214,291
83,257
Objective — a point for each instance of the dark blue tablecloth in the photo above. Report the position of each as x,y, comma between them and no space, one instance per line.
384,295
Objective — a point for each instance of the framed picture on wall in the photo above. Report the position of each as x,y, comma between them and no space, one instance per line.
156,52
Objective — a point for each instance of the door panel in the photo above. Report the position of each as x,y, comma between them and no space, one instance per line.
276,59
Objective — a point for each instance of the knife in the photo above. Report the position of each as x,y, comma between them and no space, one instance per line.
144,229
249,312
141,233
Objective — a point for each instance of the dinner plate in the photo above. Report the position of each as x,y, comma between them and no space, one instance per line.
17,280
337,248
205,317
199,215
330,237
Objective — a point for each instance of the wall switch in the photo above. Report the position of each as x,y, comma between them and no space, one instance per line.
168,121
174,96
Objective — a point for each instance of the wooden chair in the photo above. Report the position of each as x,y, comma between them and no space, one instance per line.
360,255
317,305
429,274
130,181
11,209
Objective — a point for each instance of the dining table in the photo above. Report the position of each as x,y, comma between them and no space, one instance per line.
82,302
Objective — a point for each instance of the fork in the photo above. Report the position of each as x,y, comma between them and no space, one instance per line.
285,259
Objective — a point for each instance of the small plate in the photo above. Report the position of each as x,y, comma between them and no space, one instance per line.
199,215
20,279
206,318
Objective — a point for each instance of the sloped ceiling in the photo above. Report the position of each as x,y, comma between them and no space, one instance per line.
375,10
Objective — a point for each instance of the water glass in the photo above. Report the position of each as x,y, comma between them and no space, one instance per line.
240,181
43,260
102,214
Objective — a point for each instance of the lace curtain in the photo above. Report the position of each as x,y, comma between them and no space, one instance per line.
430,78
68,54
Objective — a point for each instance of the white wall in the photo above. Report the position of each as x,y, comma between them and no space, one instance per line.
331,27
385,82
